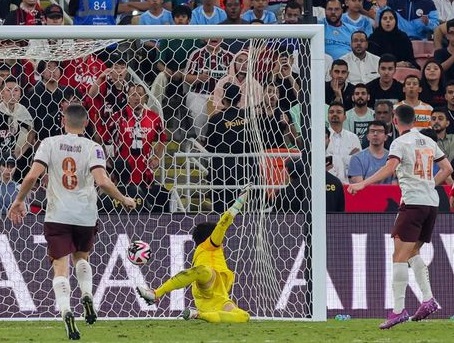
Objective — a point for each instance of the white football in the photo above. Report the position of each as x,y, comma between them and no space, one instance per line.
138,252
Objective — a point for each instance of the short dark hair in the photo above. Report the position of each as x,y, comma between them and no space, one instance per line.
450,83
293,5
377,123
383,102
326,2
75,115
336,103
202,231
339,62
260,21
360,32
4,66
387,58
7,160
224,2
412,76
181,10
10,79
449,24
361,85
443,110
405,114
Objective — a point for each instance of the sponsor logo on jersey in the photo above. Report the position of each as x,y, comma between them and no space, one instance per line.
100,154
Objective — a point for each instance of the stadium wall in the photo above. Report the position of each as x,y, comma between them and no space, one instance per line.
359,265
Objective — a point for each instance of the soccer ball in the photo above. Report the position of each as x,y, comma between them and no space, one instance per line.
138,252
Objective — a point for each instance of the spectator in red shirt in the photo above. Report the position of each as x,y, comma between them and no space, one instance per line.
140,136
82,73
108,94
28,13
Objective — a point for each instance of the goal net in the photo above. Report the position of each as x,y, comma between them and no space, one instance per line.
187,115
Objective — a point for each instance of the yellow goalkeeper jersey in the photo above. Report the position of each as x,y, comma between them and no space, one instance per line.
207,254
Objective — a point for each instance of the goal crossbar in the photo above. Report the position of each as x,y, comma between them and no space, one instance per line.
315,92
166,31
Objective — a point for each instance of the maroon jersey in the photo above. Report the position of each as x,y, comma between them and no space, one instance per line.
216,64
21,16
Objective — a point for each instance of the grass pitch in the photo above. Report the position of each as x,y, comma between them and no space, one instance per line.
180,331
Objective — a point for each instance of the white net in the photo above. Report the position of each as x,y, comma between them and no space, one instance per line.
185,125
52,49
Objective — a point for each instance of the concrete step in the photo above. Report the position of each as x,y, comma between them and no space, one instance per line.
172,147
170,161
177,171
196,206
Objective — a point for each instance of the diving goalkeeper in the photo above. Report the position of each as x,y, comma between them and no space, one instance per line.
209,276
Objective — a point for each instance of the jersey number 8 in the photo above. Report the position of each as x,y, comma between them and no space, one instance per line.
69,178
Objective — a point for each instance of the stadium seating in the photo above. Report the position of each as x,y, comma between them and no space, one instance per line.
423,50
403,72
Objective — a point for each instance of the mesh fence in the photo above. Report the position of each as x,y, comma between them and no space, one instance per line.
185,123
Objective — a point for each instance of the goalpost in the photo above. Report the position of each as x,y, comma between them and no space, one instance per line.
277,254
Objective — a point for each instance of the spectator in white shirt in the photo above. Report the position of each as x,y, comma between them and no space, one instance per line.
362,65
343,143
445,9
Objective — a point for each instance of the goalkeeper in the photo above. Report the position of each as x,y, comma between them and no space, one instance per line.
210,277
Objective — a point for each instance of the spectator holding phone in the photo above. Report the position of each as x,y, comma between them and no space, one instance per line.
343,143
335,197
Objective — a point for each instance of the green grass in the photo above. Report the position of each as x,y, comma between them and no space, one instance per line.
175,331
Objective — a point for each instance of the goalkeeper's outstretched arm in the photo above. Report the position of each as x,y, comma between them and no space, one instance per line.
217,236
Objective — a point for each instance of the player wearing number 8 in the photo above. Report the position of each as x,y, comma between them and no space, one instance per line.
73,164
411,156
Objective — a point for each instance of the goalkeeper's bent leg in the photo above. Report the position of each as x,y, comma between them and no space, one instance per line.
201,274
237,315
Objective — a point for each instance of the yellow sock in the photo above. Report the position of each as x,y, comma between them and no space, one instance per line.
184,278
235,316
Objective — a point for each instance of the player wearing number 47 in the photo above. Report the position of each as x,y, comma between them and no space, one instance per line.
210,278
73,164
411,156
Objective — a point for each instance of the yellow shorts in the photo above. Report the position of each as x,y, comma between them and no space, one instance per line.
213,298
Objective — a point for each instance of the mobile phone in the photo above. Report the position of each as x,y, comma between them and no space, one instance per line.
329,160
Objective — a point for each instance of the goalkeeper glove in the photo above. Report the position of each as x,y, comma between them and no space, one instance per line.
240,201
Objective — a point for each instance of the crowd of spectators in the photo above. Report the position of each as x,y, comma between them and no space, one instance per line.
195,81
